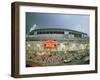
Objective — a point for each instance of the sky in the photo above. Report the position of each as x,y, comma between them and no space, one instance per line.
76,22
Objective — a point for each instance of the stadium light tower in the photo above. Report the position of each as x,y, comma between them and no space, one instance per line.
33,27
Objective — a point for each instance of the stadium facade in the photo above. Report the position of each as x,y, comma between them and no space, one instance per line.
55,34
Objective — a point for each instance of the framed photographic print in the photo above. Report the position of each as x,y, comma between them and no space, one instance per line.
53,39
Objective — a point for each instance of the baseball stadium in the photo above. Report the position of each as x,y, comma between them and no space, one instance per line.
56,46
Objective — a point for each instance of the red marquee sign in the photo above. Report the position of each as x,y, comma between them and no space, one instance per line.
50,44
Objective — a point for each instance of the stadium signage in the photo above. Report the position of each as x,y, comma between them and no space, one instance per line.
50,44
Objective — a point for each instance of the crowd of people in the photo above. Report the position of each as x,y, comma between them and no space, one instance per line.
65,53
44,58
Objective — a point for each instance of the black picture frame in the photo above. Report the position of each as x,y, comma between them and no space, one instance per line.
15,39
